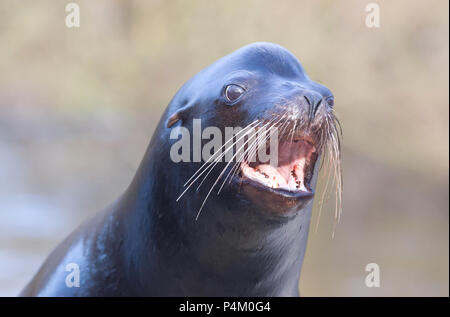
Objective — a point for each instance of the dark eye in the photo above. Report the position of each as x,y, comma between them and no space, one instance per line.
330,101
233,92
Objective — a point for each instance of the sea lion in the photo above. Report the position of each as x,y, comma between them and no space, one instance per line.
250,239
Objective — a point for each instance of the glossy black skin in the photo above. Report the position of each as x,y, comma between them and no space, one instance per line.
147,244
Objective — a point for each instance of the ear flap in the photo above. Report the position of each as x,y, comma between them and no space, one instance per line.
173,119
179,115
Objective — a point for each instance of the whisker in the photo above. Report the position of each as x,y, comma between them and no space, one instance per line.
329,143
293,130
218,178
251,149
214,163
219,151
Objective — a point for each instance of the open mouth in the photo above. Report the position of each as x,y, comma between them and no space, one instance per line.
293,174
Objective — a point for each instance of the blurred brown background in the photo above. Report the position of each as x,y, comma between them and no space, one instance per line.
78,107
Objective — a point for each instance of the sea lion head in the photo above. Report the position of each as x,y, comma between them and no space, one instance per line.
260,86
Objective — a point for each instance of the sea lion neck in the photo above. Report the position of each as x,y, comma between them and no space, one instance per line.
226,251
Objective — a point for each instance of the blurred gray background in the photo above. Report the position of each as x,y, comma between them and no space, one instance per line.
78,108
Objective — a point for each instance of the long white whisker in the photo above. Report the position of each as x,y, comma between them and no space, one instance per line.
215,183
213,163
249,149
219,151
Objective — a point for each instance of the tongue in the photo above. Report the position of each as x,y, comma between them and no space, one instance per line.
289,174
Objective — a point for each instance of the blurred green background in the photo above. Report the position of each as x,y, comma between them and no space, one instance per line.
78,107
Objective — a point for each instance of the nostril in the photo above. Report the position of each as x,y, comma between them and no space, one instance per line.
307,100
314,100
316,107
